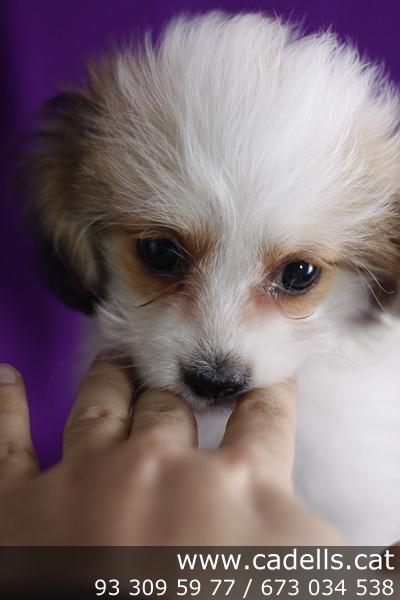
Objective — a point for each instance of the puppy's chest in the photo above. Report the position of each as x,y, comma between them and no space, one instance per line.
347,465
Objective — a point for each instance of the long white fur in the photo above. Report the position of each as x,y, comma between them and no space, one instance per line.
278,140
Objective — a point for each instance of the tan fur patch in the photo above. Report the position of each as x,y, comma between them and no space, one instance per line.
301,306
268,297
124,261
151,286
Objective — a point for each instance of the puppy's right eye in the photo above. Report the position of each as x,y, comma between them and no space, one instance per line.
160,255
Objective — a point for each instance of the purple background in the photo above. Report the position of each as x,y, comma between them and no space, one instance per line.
45,43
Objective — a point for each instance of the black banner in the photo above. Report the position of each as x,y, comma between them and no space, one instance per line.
232,573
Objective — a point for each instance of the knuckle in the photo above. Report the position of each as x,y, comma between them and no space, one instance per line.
162,406
72,436
93,416
168,405
151,417
8,403
269,408
98,412
11,448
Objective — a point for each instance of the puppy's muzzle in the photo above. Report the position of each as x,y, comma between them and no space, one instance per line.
215,380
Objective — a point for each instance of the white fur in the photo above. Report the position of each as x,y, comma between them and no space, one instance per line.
280,141
348,446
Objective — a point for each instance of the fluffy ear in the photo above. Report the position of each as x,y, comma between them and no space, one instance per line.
58,211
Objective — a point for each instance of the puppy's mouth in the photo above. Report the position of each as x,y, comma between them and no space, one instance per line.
214,383
226,402
218,402
204,387
214,403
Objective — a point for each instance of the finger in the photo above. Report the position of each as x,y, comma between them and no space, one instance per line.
17,456
165,415
100,416
264,422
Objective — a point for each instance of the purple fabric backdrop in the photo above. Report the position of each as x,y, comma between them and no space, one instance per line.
45,43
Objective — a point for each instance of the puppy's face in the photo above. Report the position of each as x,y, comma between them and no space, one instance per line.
227,203
211,312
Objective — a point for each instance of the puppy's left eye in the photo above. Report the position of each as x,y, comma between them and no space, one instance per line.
160,255
298,276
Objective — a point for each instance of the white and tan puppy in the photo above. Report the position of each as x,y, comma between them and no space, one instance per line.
227,203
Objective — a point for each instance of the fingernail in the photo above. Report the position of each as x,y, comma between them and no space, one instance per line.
7,374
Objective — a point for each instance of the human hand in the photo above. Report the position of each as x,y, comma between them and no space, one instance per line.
143,481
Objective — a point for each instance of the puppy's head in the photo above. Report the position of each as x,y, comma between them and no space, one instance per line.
226,202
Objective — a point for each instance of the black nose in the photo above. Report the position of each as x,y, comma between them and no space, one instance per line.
215,380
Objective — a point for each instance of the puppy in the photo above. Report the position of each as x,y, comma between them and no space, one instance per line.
226,203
